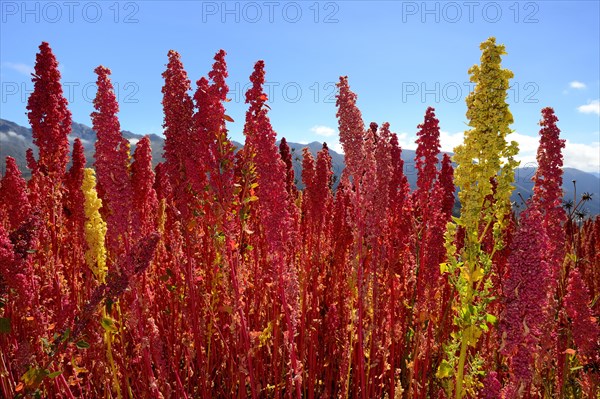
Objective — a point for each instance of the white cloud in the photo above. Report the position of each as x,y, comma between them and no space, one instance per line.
405,141
528,146
592,107
584,157
10,135
336,146
321,130
577,85
325,131
449,141
133,141
23,69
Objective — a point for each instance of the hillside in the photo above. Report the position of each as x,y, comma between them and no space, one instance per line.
16,139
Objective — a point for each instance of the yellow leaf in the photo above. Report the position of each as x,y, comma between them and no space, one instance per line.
444,370
33,377
476,275
443,268
472,334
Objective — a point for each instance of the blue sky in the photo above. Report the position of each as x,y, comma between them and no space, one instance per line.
400,56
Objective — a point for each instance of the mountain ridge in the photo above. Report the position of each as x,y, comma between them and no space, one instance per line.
16,139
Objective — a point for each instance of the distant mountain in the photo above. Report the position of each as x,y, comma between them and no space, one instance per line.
15,140
584,183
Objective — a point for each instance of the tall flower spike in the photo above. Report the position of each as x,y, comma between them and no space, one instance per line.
381,171
112,161
286,156
210,130
308,171
95,228
446,181
484,176
178,109
547,198
274,210
428,148
427,203
145,201
399,186
13,195
490,120
547,192
269,166
358,145
548,177
74,210
352,128
48,114
323,182
74,181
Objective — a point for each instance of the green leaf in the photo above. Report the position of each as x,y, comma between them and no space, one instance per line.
5,326
490,318
66,335
54,375
108,324
81,344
